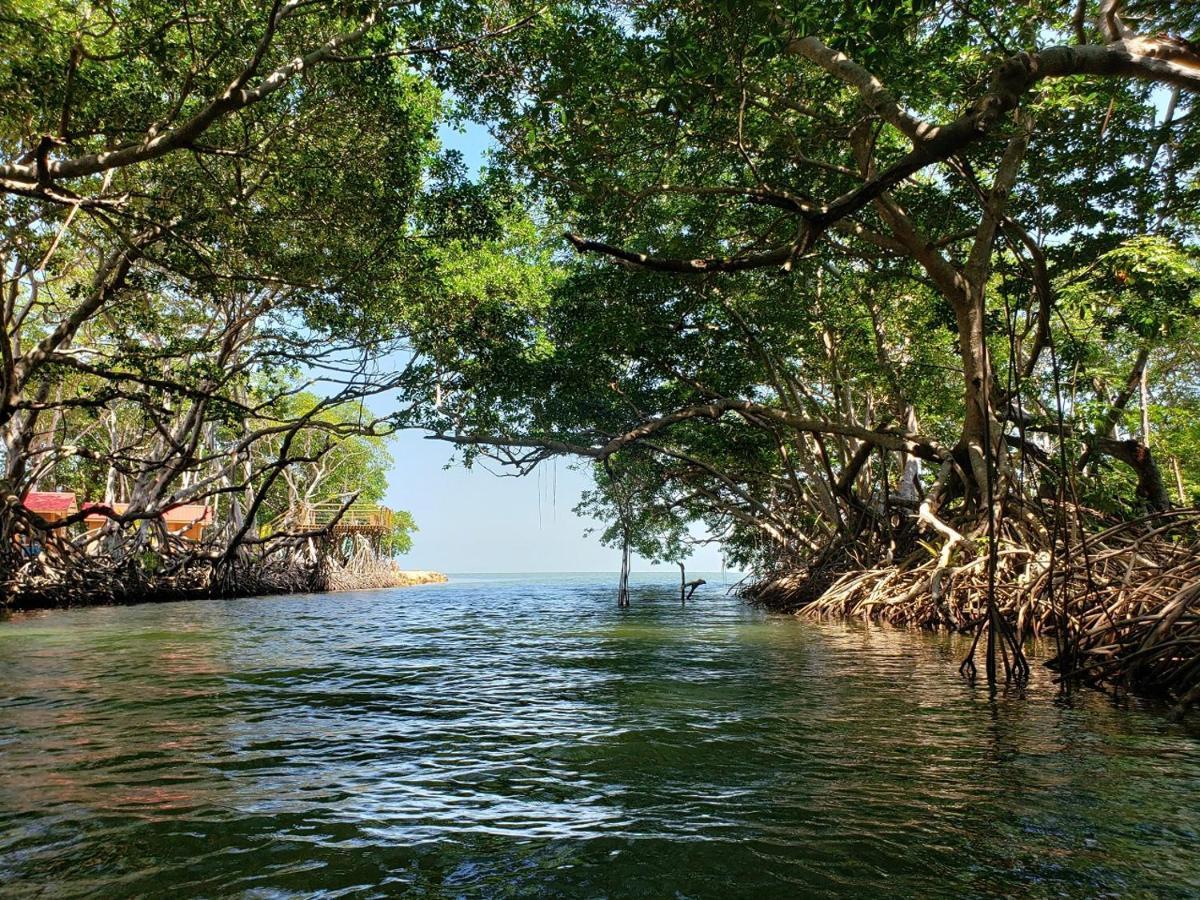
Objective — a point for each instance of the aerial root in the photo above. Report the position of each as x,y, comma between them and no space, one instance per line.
1123,604
166,567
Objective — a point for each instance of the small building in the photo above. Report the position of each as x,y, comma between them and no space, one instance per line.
51,507
188,520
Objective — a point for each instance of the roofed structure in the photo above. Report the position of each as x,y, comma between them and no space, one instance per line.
185,519
51,506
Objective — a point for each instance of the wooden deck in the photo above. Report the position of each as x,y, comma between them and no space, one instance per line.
360,518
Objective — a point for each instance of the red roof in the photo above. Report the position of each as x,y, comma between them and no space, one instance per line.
184,513
189,512
61,502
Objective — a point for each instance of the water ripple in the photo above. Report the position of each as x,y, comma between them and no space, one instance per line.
517,737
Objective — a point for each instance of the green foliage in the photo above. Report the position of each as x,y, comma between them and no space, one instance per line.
1147,287
293,239
632,495
322,236
339,454
398,540
684,130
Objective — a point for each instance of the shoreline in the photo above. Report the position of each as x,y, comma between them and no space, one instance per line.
1108,640
374,581
889,596
36,597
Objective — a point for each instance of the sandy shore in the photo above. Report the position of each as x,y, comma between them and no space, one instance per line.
364,581
420,576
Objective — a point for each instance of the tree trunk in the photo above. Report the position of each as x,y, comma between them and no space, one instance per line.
623,587
1179,481
910,466
1138,457
978,424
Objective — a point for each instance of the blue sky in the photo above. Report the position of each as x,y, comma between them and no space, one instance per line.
477,521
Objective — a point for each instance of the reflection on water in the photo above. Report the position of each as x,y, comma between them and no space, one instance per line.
513,736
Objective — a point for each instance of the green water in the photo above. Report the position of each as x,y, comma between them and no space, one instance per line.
521,736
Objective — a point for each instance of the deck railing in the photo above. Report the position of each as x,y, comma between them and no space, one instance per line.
359,516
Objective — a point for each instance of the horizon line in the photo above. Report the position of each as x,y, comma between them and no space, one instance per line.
585,572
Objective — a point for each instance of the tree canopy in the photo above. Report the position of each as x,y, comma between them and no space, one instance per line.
221,224
820,215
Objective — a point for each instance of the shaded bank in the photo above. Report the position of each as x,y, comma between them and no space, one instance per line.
1122,605
134,556
97,582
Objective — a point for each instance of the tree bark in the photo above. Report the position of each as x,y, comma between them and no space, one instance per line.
1138,457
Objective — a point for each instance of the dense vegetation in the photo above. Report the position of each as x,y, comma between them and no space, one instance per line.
218,221
903,305
895,300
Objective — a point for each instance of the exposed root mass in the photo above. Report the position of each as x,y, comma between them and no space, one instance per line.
63,574
1122,605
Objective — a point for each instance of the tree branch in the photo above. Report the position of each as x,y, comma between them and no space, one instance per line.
1160,59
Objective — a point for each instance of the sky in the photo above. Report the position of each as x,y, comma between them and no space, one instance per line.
479,521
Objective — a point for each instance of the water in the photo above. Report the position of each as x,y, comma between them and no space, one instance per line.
517,736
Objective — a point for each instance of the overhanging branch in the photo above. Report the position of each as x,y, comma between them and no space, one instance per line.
1160,59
